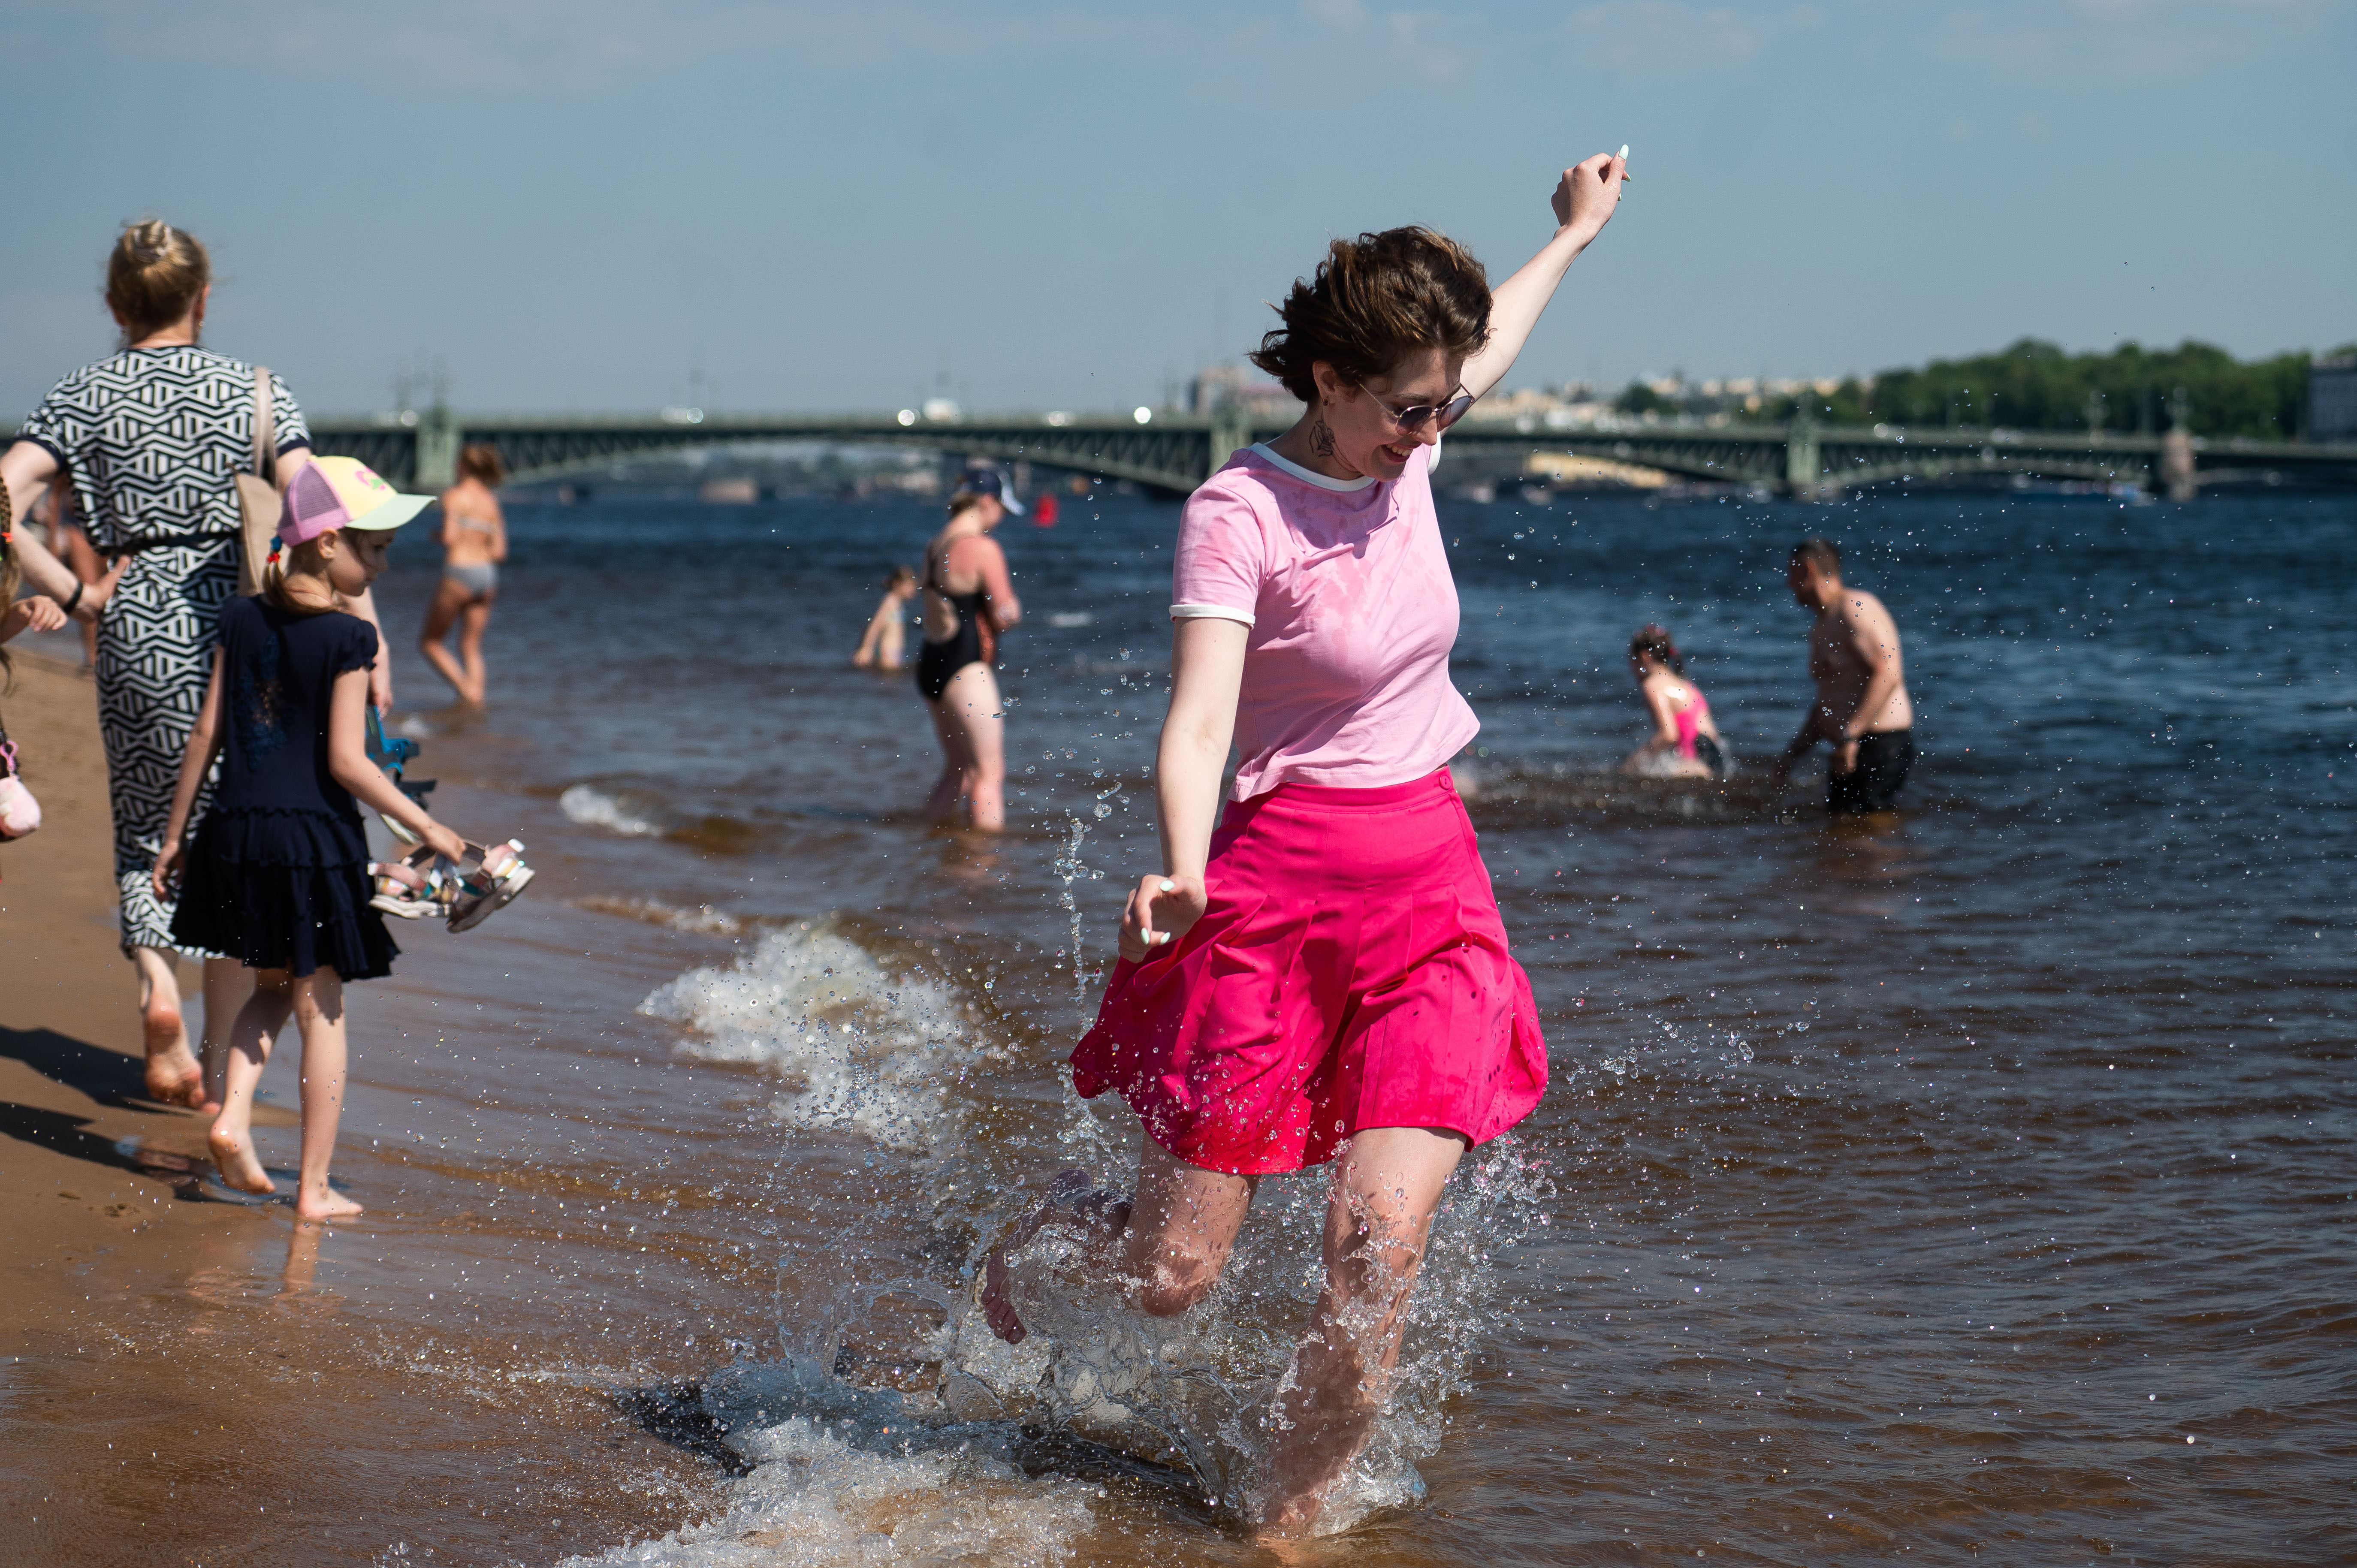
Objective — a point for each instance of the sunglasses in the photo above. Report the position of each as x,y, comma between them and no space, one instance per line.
1417,417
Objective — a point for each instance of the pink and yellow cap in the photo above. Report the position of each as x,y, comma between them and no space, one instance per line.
342,492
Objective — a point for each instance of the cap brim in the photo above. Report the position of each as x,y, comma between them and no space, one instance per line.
391,514
1006,498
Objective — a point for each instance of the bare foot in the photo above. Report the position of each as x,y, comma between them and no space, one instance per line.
175,1077
233,1155
332,1205
1066,1202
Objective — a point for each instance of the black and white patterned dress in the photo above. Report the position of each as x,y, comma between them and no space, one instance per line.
153,439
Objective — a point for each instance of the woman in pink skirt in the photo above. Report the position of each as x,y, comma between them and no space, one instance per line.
1324,972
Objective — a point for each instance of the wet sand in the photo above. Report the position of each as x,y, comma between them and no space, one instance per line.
174,1385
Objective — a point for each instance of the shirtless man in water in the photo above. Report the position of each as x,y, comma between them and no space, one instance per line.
1862,709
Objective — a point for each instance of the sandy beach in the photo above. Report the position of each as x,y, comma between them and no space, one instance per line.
69,1053
178,1387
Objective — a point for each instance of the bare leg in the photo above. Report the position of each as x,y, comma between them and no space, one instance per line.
972,704
258,1023
227,985
174,1075
473,621
449,598
1173,1236
1387,1184
319,1011
957,762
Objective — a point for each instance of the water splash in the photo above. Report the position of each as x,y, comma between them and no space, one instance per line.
1071,868
859,1047
633,814
1199,1392
890,1054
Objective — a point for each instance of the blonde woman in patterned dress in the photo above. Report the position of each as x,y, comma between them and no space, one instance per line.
152,438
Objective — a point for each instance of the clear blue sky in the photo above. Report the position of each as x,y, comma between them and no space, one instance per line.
1058,206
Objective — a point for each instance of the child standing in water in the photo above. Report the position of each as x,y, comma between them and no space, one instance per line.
278,875
1685,743
886,635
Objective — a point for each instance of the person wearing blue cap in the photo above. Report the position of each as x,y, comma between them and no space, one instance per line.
969,600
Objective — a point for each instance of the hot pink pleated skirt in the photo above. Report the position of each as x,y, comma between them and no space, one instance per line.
1351,971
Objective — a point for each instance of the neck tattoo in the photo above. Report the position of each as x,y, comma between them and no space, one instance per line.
1321,440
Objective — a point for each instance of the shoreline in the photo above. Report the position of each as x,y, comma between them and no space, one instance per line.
186,1378
71,1090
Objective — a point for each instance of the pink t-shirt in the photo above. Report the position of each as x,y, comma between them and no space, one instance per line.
1352,610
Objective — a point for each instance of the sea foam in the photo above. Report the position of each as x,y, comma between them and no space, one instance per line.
858,1046
841,1475
620,813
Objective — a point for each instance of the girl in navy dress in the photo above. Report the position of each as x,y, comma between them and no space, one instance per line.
278,875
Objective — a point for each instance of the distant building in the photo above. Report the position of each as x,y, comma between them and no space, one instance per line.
1237,386
2332,398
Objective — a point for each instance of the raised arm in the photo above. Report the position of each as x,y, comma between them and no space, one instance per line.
1207,670
1584,202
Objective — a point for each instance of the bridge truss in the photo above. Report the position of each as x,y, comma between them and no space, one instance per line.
1171,454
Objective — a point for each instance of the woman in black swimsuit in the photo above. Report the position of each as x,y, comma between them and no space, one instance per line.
969,600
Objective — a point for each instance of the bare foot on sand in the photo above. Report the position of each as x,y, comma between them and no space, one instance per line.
233,1155
329,1205
175,1077
1067,1202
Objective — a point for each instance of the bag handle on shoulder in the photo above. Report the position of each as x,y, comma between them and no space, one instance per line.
265,427
258,501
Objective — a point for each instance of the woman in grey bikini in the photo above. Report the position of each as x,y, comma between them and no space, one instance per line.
474,540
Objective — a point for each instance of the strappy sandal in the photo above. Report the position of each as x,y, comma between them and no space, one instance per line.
403,888
498,874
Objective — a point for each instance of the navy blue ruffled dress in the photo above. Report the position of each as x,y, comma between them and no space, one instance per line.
277,877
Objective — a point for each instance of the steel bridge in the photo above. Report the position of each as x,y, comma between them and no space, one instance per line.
1173,453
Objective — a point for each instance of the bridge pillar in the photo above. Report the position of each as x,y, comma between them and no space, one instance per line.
1802,479
1231,432
436,468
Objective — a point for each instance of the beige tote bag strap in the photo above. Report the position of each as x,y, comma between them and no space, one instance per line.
265,427
257,493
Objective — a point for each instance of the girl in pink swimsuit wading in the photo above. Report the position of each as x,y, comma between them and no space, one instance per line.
1319,971
1686,743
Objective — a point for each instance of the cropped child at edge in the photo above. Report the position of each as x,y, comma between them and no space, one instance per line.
278,875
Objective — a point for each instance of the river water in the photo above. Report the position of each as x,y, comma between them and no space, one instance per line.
1971,1186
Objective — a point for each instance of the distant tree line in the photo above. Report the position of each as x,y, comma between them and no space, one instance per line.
2035,385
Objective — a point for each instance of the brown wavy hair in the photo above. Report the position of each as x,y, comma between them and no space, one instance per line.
1372,302
154,274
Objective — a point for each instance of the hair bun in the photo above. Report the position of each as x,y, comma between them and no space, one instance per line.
154,276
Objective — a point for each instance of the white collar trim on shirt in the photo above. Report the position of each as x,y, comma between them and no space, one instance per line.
1306,477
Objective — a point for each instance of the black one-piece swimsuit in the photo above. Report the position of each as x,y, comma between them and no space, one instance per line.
938,662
